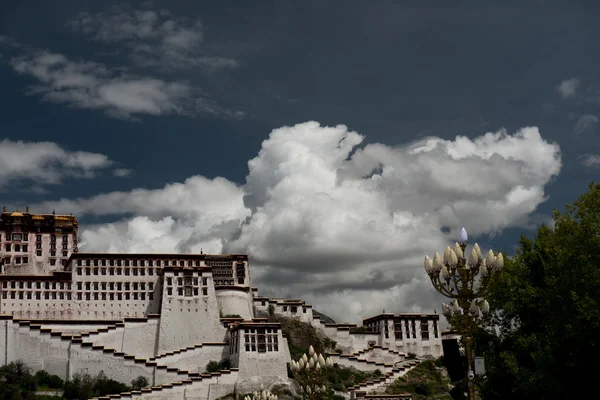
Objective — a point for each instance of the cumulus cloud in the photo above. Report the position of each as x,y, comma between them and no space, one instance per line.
341,226
568,87
155,37
46,163
585,122
590,160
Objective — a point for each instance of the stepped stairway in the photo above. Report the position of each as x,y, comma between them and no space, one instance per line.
185,349
379,384
173,377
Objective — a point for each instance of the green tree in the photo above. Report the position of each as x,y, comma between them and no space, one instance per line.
16,382
216,366
80,387
44,379
542,341
139,383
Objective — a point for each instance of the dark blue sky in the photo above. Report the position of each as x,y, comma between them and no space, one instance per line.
393,71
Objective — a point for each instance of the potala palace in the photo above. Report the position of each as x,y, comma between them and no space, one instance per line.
165,316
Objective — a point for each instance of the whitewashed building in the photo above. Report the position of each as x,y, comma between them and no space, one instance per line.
165,316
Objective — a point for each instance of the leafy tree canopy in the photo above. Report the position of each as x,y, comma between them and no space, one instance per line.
542,342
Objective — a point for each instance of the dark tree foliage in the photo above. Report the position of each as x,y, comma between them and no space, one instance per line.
139,383
216,366
542,342
16,382
83,386
44,379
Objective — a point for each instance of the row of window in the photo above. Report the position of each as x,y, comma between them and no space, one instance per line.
134,263
117,271
260,340
187,281
187,291
411,329
115,285
25,259
36,285
17,248
80,285
25,237
29,295
17,260
293,309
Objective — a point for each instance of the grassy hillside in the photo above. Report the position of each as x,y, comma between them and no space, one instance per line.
428,380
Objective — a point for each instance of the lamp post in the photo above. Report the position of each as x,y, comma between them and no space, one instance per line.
309,372
454,276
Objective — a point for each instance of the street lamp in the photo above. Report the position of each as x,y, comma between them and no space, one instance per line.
309,372
454,277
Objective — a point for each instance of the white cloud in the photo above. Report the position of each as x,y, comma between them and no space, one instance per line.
345,228
568,87
584,122
590,160
156,37
122,172
45,163
91,85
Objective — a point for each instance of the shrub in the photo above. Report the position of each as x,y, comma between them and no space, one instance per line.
232,316
139,382
16,381
83,387
80,387
44,379
215,366
329,343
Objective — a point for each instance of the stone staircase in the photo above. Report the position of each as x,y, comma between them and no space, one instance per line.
379,384
80,342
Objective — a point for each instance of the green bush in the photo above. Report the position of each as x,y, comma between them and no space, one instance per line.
44,379
83,386
232,316
139,383
216,366
329,343
425,381
16,382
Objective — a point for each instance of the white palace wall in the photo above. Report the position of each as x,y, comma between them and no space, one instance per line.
140,337
189,314
195,358
235,301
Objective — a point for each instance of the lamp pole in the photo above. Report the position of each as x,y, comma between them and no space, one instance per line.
454,277
309,372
